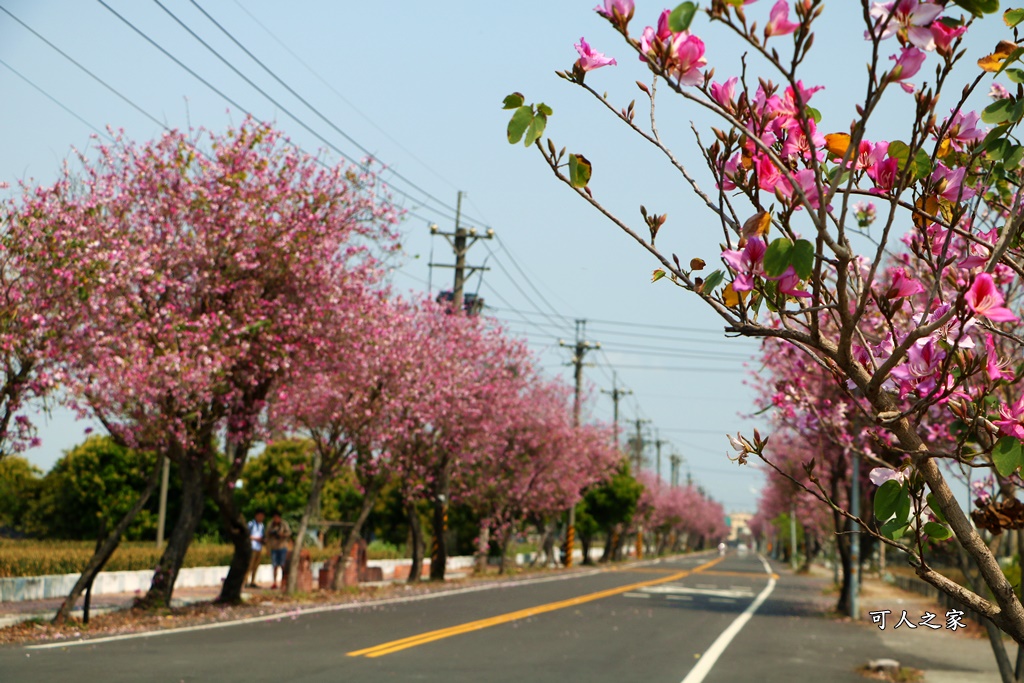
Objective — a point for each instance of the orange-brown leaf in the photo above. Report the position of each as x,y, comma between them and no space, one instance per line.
994,61
757,225
697,264
837,143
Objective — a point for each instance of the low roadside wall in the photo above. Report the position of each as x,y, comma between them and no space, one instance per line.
58,585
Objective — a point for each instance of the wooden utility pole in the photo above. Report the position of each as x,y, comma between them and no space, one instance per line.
674,460
580,349
461,240
161,520
658,443
638,446
616,394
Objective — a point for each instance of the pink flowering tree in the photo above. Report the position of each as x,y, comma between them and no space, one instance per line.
817,218
197,271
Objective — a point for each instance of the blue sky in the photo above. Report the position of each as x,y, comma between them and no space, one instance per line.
420,86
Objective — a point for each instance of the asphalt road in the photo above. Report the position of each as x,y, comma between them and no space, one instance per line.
658,622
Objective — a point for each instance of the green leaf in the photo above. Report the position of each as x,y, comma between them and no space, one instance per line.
994,136
1016,75
979,7
1012,17
1014,158
579,170
777,257
521,120
998,111
1013,57
657,275
893,530
681,17
802,258
899,151
922,165
1007,455
937,532
814,114
903,505
934,506
513,101
544,109
536,129
886,499
1000,149
712,281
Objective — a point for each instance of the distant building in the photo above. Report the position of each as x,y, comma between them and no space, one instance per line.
739,529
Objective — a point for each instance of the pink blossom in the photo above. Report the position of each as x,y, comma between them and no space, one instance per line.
963,130
903,286
910,19
944,35
994,368
590,59
622,8
908,63
998,92
778,21
746,264
788,282
884,173
723,93
662,34
949,183
1012,423
689,56
985,301
880,475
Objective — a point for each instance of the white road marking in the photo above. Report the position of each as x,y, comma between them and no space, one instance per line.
731,601
679,597
685,590
711,655
635,595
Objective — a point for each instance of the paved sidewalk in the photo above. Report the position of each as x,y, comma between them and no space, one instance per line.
945,656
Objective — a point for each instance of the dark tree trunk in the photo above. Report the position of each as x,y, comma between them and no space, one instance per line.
416,532
237,531
846,564
609,545
192,497
548,544
506,541
369,499
105,549
439,553
586,540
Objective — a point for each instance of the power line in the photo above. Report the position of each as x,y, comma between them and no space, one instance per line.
96,78
287,87
341,97
55,101
677,368
227,98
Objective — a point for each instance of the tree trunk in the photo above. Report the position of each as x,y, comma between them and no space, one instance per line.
483,547
506,541
312,505
548,544
586,540
106,548
845,561
369,499
416,531
237,531
166,571
439,553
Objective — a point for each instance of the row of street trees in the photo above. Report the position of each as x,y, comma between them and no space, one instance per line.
204,294
891,263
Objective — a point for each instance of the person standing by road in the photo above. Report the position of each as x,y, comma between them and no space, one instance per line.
279,534
257,531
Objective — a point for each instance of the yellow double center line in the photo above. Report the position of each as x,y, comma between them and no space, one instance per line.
440,634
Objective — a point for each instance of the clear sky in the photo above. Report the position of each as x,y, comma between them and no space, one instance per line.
419,86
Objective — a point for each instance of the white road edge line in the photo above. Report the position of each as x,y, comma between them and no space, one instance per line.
335,608
711,655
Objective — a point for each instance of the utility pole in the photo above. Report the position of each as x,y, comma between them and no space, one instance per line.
674,460
161,518
658,443
580,349
616,394
461,240
638,446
